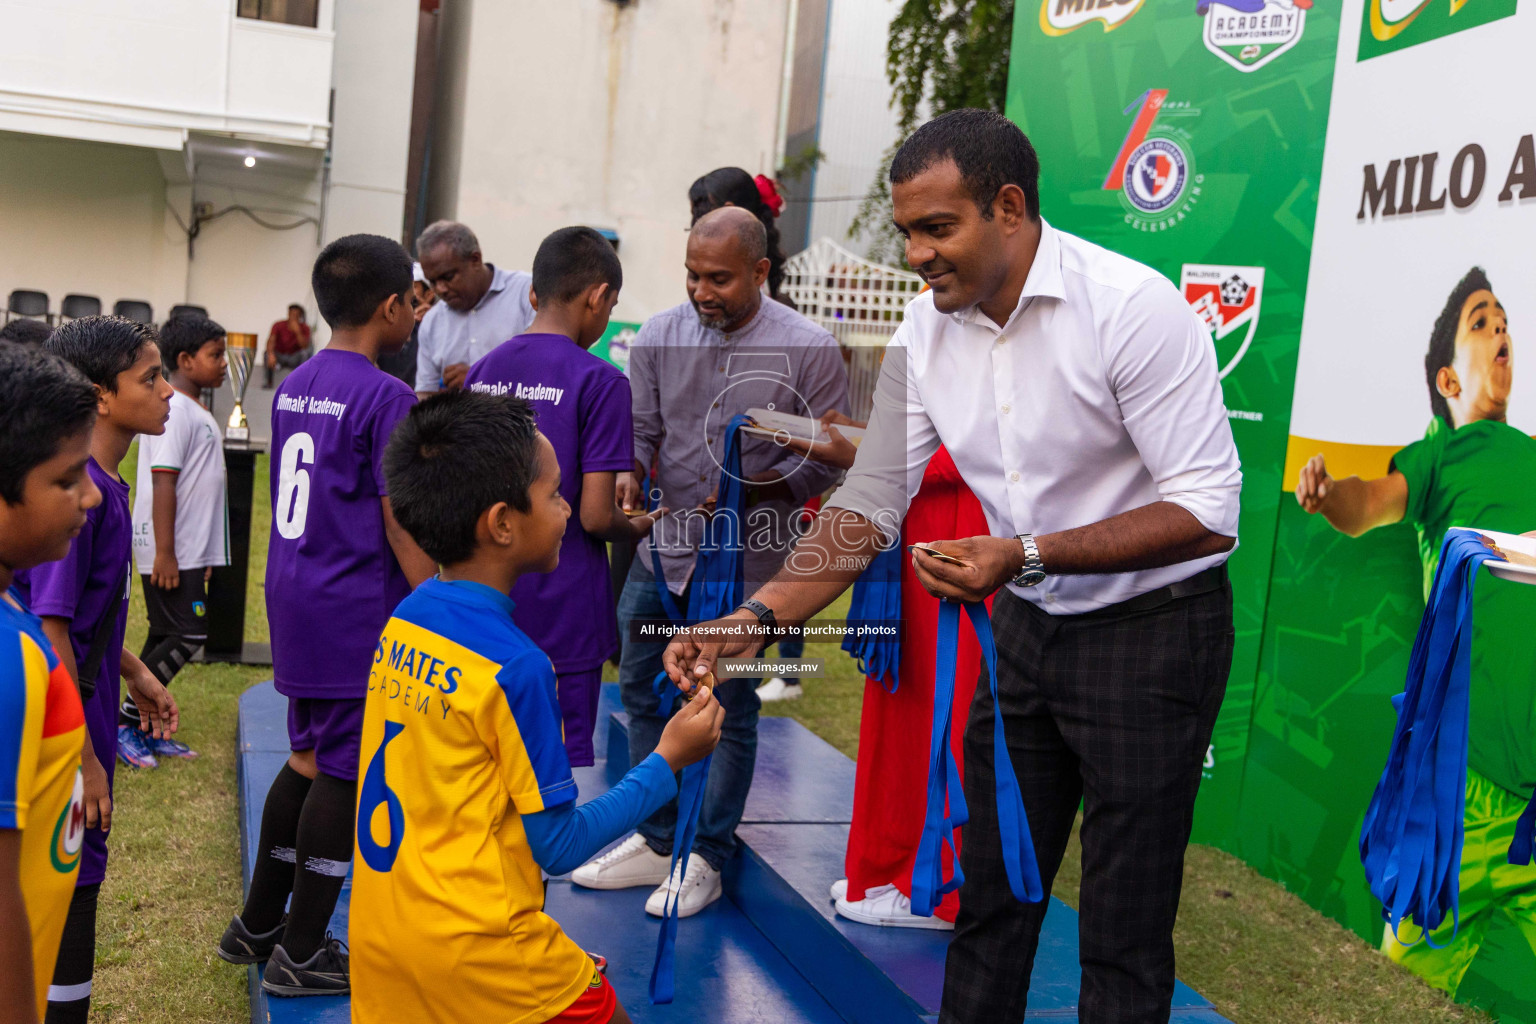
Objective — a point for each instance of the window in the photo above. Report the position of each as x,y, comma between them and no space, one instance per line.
289,12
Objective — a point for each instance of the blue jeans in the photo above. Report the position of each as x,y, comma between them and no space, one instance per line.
730,774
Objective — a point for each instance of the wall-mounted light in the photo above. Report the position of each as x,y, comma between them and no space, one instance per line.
250,161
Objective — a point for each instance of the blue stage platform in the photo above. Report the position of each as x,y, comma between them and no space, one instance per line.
773,950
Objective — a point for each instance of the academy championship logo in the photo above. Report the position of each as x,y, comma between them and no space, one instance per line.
1226,299
1058,17
1154,171
69,831
1248,34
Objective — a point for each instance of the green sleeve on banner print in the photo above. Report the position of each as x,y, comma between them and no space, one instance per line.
1341,619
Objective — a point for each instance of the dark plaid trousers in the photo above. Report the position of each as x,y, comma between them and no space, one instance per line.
1113,710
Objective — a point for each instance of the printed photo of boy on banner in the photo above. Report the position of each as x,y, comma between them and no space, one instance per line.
1471,468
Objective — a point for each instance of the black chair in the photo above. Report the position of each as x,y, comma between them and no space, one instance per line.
25,302
76,306
133,309
177,311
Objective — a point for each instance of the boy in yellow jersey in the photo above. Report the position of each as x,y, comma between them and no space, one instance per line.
46,413
466,791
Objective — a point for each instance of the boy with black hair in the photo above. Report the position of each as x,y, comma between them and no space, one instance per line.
46,413
583,407
83,602
180,527
467,791
25,331
337,565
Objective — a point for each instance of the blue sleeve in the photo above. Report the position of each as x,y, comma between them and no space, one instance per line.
565,837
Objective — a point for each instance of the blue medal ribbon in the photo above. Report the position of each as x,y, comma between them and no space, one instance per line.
716,590
1411,838
946,801
876,601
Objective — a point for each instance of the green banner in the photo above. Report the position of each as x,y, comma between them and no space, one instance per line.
1388,25
1191,138
614,344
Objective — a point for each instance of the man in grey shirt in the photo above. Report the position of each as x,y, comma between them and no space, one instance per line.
482,306
692,368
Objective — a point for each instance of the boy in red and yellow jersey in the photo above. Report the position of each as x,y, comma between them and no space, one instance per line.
47,410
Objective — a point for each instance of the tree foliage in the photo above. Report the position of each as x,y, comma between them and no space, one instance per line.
941,55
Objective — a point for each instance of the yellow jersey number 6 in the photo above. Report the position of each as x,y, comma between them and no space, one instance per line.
376,791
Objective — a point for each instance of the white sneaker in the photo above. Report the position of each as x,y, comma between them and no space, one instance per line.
700,887
886,907
629,864
840,888
777,689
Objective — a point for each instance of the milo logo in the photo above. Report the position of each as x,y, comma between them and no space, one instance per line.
69,831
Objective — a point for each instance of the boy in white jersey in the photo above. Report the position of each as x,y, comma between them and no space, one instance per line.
180,525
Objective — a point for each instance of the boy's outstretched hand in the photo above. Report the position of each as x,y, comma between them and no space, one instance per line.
692,733
158,714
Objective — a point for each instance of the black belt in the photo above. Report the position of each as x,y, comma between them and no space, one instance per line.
1203,582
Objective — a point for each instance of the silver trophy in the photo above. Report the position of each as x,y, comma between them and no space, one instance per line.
241,353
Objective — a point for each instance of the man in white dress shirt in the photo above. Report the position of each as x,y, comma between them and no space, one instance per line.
1079,397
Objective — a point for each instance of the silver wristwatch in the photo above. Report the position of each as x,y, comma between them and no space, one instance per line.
1033,572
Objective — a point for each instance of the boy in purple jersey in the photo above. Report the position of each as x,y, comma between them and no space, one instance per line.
583,407
83,602
336,567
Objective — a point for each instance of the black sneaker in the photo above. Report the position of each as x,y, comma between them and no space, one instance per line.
324,974
239,946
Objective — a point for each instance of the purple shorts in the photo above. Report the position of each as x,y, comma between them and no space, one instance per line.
577,693
333,729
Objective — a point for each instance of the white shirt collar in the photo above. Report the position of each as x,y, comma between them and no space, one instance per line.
1044,280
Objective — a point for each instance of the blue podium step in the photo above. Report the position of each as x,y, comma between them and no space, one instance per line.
773,950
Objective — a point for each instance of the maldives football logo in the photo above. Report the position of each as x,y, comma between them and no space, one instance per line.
69,831
1226,299
1154,170
1248,34
1058,17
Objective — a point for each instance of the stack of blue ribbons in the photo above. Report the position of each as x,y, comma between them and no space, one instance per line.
1410,842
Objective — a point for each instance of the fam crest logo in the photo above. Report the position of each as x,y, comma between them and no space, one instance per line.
1154,171
1248,34
69,831
1058,17
1226,299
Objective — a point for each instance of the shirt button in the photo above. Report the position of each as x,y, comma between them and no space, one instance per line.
1014,476
1050,598
1007,409
701,478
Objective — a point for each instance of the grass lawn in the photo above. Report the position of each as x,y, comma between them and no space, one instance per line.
1259,953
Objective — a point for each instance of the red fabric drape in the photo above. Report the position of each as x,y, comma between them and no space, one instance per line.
892,774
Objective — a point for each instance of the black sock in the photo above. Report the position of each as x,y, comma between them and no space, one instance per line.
164,658
324,850
69,997
272,879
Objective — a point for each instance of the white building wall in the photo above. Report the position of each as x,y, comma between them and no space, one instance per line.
146,72
857,122
374,81
586,112
87,217
189,91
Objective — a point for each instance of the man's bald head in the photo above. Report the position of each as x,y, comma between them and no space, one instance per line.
727,265
733,222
